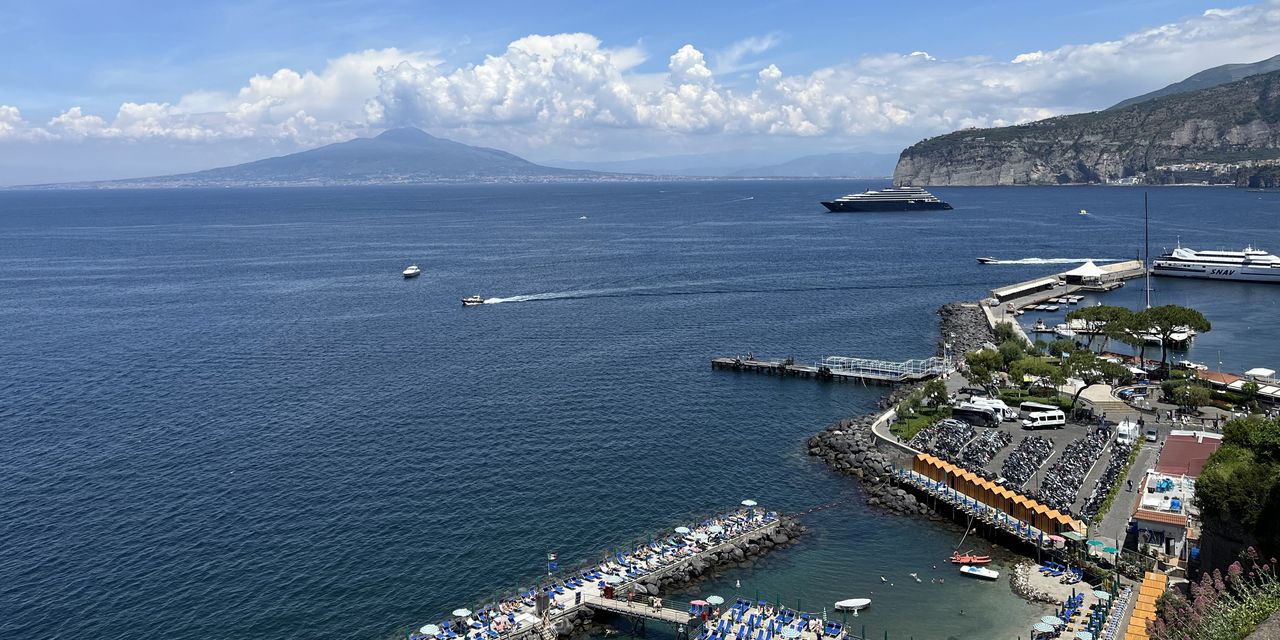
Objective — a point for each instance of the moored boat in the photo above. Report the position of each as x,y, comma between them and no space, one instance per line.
853,604
980,572
969,558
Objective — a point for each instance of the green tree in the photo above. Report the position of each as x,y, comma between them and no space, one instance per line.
1192,396
1250,393
935,393
1060,346
1091,370
1010,351
982,364
1166,320
1239,486
1096,319
1037,368
1004,332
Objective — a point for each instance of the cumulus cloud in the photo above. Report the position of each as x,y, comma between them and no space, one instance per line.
571,89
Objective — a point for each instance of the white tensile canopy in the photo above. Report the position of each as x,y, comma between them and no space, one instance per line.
1260,372
1086,270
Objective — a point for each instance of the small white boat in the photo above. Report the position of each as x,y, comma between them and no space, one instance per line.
987,260
582,217
980,572
472,301
1083,212
412,271
853,604
1040,327
1064,330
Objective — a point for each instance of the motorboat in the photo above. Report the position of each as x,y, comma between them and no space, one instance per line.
472,301
969,558
987,260
1064,330
582,217
853,604
980,572
412,271
1084,212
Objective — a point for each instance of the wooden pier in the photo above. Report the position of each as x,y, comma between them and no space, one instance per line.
842,369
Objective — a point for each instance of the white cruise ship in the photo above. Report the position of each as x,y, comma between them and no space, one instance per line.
1250,265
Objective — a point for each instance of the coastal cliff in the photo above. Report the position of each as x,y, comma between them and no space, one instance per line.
1229,133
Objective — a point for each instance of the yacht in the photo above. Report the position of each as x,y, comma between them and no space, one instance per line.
1250,265
890,199
412,272
472,301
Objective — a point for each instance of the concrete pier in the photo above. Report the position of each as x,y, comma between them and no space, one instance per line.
842,369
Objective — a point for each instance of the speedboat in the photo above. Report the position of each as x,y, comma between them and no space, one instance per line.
412,271
987,260
472,301
853,604
980,572
969,558
1083,212
582,217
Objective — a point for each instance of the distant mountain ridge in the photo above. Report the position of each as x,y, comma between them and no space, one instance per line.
1207,79
748,164
395,156
1232,129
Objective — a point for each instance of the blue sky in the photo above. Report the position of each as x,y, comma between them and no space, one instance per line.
164,84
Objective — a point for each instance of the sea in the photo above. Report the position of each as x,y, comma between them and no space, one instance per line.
225,414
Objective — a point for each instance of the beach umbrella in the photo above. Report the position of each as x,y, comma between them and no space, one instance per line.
461,613
700,603
715,528
715,600
429,629
1052,621
682,530
1096,543
1110,550
749,503
1102,595
1084,635
1042,627
700,537
790,632
612,579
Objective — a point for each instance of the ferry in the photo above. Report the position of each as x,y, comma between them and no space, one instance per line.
1249,265
412,271
890,199
472,301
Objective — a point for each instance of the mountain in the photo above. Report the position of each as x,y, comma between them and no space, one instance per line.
827,165
747,163
1228,133
1208,78
396,156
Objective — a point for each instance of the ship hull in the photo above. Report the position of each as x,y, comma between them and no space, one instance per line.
836,206
1218,272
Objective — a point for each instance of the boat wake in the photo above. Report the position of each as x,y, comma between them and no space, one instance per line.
697,289
1055,260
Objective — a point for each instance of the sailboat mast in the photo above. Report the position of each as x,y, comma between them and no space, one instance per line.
1146,232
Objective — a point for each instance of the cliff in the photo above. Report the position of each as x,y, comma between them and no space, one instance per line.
1229,133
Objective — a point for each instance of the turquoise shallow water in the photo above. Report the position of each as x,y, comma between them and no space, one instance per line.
226,415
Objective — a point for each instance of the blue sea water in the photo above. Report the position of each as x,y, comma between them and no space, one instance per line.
225,415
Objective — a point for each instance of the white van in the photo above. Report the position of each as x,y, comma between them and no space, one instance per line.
1055,419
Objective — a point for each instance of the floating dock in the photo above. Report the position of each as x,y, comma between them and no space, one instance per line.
839,368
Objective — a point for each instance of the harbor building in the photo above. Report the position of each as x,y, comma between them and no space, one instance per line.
1165,522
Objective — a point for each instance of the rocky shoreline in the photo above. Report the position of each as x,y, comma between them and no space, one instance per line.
1021,586
964,326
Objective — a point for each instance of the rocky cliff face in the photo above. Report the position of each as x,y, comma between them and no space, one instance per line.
1232,127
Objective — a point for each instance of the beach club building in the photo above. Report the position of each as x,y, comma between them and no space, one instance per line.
1164,515
995,496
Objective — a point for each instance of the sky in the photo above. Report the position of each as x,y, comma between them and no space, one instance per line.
137,88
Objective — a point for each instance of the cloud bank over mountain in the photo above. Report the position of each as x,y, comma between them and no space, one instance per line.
571,91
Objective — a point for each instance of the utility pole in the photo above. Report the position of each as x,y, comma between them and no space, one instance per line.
1146,232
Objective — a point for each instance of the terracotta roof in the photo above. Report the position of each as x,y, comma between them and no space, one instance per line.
1156,516
1186,455
1222,379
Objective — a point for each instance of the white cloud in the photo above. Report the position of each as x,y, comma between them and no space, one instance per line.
567,90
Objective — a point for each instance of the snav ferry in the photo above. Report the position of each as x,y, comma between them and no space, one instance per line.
1250,265
890,199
